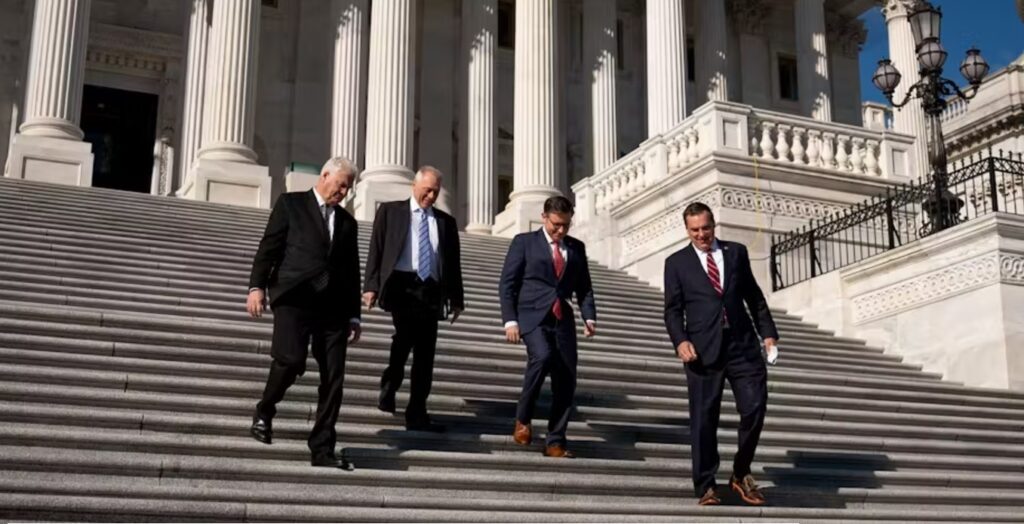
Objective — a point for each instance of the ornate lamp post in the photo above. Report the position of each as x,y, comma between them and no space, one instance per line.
942,206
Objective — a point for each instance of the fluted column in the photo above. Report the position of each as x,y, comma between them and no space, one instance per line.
535,156
666,65
53,101
351,28
480,19
49,144
599,18
195,83
390,106
712,51
812,54
909,119
229,112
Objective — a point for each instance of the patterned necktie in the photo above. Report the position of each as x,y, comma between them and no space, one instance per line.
325,212
556,308
320,281
426,262
716,282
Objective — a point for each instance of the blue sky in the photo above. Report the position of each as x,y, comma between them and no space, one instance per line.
991,25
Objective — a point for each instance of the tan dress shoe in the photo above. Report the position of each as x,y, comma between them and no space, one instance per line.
522,434
558,451
710,498
747,489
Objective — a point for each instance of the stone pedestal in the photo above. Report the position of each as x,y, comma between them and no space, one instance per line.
227,182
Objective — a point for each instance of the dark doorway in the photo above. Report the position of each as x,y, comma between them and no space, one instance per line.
121,125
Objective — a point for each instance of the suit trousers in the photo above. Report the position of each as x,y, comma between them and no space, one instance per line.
415,306
748,377
551,350
304,319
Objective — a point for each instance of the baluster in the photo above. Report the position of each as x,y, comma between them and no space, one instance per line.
827,152
841,157
813,140
782,142
871,157
798,146
692,138
857,156
766,140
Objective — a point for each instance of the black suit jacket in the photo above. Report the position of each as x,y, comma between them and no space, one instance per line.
390,231
693,309
528,284
296,247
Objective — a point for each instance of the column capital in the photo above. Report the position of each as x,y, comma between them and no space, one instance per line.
898,8
749,15
845,30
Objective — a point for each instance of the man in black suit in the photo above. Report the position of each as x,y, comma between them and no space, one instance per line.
414,271
308,261
706,286
543,269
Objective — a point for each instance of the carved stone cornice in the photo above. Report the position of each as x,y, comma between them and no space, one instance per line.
847,31
892,8
133,51
749,15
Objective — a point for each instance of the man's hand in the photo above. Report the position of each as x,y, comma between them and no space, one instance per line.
589,328
686,351
369,299
769,342
456,311
355,330
512,334
256,303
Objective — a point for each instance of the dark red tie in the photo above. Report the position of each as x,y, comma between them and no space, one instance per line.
716,281
556,308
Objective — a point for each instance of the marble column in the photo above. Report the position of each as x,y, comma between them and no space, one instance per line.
909,119
712,51
226,170
812,60
351,29
535,155
49,146
390,107
480,34
599,18
666,65
195,83
754,57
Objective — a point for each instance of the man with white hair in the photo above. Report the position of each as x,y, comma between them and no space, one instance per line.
414,271
308,262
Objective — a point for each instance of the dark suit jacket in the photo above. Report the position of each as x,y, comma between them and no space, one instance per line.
390,230
693,309
296,247
528,285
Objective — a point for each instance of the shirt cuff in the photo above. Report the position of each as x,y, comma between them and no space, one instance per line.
511,323
591,322
354,320
255,289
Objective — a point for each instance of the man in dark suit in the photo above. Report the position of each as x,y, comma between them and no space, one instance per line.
706,286
543,269
414,271
308,261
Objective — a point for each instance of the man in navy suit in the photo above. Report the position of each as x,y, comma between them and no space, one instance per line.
707,284
542,271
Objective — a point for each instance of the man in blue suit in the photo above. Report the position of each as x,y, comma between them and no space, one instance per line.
707,284
543,269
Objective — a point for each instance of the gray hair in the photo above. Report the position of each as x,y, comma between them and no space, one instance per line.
340,164
428,169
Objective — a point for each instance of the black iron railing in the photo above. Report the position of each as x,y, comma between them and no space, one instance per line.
981,185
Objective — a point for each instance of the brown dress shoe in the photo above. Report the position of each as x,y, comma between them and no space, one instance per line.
558,451
522,434
747,490
709,498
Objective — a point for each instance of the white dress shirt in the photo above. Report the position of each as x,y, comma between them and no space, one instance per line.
565,258
716,251
330,213
409,260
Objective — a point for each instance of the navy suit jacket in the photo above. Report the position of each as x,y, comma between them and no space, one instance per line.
528,284
693,309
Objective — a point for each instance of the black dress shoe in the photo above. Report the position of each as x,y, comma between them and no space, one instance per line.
262,430
331,461
386,401
424,424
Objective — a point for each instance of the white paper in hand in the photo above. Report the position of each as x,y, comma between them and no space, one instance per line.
771,354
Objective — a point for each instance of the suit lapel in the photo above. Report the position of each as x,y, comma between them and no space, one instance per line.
313,208
698,269
728,264
441,236
549,259
402,218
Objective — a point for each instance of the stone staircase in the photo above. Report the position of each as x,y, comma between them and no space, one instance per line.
130,371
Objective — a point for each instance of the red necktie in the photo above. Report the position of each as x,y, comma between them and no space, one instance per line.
556,308
716,282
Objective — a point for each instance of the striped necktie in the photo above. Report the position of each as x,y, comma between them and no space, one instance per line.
426,252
